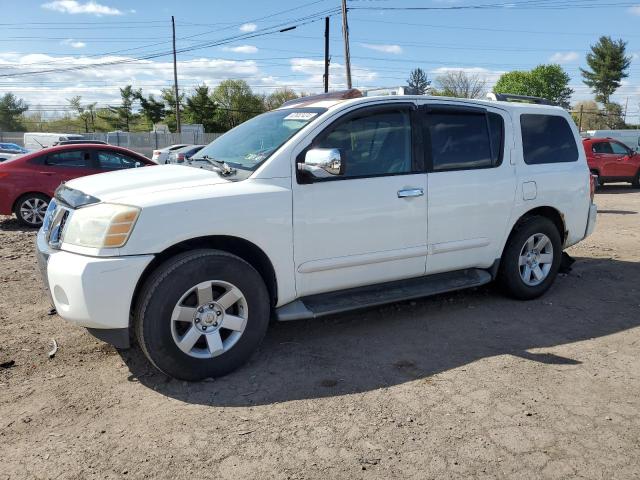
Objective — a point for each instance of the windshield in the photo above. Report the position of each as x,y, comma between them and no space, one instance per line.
252,142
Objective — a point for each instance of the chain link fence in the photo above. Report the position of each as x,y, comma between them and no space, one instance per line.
141,142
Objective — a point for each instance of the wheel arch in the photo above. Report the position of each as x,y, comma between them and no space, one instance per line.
551,213
240,247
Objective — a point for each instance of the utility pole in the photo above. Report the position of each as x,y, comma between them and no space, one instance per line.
326,54
175,77
345,35
626,104
580,119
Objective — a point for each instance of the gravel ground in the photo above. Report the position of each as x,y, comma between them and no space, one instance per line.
465,385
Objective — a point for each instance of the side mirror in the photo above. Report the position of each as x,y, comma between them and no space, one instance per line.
322,163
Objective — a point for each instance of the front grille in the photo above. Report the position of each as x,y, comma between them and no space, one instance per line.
54,228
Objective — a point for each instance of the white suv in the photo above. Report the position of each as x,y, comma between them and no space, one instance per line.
328,204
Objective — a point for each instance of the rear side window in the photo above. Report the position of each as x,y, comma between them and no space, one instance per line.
464,139
73,158
547,139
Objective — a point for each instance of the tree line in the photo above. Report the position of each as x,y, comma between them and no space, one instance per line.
218,109
233,102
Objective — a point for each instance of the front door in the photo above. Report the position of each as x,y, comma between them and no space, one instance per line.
619,164
471,184
369,224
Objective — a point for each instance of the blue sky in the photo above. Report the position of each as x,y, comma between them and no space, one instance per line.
56,35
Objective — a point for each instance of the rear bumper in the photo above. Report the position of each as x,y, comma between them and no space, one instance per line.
91,292
591,222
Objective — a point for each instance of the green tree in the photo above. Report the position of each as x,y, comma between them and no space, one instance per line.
236,103
152,110
418,83
278,97
200,108
121,117
546,81
169,97
462,85
608,66
86,113
11,110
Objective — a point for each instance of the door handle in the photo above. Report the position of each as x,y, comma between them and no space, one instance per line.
48,174
410,192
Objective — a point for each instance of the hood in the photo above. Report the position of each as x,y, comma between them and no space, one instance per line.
144,181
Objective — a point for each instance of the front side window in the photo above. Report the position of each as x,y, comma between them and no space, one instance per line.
463,139
115,161
73,158
619,149
547,139
375,143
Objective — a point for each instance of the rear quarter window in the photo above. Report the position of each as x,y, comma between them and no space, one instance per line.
547,139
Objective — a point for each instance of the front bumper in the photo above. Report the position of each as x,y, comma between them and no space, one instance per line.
91,292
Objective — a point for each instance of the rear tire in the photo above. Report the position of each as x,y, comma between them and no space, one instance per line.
531,258
636,180
30,209
202,314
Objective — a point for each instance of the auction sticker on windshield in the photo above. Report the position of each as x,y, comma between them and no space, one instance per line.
301,116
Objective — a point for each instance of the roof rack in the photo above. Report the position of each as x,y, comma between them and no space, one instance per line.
339,95
510,97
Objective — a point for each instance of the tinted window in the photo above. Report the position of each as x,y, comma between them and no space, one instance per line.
547,139
374,144
73,158
115,161
463,139
619,149
602,147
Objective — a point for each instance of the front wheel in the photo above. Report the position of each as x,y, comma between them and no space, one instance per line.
636,180
202,314
531,259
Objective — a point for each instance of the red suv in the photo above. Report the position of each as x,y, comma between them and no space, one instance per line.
29,181
612,161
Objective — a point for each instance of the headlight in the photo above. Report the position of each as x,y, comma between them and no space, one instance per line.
104,225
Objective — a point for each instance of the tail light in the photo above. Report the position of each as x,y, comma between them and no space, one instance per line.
4,174
592,185
156,153
181,157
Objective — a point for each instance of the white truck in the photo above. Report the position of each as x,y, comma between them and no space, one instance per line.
327,204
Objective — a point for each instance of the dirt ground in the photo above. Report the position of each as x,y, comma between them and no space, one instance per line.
465,385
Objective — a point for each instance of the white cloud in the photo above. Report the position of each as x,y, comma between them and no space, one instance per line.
634,10
248,27
564,57
74,7
314,69
73,43
242,49
394,49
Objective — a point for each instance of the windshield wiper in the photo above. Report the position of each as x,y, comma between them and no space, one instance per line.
221,165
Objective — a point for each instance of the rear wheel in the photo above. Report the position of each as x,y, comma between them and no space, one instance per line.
531,259
202,314
31,208
636,180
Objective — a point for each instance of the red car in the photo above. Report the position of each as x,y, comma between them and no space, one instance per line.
612,161
29,181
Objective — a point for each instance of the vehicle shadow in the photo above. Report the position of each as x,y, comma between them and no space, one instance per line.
391,345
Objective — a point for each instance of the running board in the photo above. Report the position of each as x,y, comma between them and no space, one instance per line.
323,304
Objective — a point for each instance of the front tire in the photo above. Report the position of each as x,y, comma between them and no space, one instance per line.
202,314
636,180
31,208
531,259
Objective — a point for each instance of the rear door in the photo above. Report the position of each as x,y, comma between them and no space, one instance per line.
471,184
